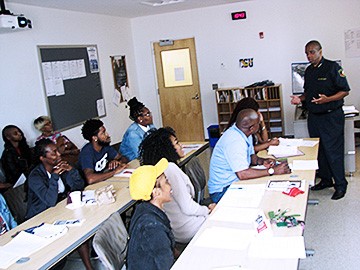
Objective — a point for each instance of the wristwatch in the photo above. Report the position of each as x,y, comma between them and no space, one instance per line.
271,171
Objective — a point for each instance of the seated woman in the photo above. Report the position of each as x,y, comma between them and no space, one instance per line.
134,135
261,139
152,243
49,182
186,215
7,222
67,149
17,157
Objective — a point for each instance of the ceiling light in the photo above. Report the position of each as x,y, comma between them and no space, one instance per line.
161,3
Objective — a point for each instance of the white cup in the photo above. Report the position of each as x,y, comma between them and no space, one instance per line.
75,197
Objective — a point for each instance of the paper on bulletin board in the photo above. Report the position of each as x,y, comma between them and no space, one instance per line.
352,42
100,105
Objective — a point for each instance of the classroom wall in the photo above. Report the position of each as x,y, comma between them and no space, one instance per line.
287,25
22,93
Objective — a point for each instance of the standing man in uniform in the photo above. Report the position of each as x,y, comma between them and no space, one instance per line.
324,90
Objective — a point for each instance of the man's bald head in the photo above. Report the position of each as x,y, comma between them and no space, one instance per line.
246,120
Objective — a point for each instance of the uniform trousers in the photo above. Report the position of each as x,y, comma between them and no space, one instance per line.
329,127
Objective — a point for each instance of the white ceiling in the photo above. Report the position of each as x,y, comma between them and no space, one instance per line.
122,8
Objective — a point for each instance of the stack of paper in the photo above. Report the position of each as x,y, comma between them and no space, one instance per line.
279,151
24,244
225,238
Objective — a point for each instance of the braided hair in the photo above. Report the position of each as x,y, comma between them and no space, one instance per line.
135,108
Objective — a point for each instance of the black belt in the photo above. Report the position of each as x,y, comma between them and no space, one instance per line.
325,112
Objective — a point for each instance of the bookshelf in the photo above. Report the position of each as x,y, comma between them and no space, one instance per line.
268,97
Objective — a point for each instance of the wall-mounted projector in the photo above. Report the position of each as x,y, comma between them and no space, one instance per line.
10,21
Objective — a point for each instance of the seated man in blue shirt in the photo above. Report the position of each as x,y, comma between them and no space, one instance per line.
234,153
97,159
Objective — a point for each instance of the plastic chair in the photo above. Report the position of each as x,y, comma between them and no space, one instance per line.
16,200
197,177
110,242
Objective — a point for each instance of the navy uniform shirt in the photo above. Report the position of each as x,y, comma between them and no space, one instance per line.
327,78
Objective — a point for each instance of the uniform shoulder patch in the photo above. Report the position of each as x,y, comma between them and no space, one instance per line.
341,73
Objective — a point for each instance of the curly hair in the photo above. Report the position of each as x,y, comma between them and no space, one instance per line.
91,128
245,103
135,108
157,145
40,148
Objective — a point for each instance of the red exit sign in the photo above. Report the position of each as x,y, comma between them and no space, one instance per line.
240,15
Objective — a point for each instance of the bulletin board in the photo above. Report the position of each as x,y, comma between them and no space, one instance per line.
71,79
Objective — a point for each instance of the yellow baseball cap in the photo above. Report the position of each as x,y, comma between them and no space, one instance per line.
143,179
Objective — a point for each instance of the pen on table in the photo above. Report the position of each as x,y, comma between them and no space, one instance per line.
235,188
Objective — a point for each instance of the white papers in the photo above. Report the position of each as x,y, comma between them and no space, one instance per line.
116,97
243,196
20,181
24,244
187,148
292,247
88,197
69,222
125,173
305,165
225,238
100,106
282,150
290,142
50,231
284,185
235,214
308,143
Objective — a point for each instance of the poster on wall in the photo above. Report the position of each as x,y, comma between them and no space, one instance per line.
121,84
352,42
93,59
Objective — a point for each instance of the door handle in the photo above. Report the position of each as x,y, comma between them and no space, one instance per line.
196,97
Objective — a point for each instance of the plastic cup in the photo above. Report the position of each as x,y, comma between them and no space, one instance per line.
75,197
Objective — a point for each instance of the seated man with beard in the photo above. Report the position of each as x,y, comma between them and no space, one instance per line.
98,160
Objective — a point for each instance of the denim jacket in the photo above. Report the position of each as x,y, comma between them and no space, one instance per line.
151,241
6,216
131,141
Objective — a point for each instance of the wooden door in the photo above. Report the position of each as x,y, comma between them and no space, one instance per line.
179,90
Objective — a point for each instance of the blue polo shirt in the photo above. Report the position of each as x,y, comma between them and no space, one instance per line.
232,153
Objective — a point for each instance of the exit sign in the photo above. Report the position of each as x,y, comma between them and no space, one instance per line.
240,15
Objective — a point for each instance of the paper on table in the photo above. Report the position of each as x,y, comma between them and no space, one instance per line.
290,142
235,214
187,148
20,181
297,142
125,173
88,197
23,245
225,238
284,185
307,143
305,165
283,151
243,196
292,247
